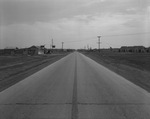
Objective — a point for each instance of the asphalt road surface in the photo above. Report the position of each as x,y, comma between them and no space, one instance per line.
74,87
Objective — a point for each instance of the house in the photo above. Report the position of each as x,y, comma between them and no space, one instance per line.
139,49
123,49
148,49
36,50
9,52
22,51
135,49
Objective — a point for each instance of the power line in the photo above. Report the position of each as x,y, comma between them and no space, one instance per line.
110,44
127,34
111,36
76,41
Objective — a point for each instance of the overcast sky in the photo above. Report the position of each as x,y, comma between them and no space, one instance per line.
77,23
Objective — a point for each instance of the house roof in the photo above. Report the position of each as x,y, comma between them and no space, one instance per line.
35,47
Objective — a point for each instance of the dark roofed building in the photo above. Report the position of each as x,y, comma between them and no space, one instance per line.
35,50
124,49
136,49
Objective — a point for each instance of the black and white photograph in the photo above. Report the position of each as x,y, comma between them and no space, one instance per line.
74,59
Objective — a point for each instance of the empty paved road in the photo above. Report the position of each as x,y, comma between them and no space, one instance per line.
74,87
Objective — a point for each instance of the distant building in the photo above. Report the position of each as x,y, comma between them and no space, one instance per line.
124,49
22,51
33,50
148,49
135,49
36,50
139,49
7,52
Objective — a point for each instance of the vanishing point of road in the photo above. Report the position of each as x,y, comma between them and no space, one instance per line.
74,87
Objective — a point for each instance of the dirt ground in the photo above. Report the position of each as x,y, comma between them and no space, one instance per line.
15,68
133,67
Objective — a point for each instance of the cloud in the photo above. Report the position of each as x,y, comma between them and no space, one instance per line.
20,35
30,11
82,27
28,22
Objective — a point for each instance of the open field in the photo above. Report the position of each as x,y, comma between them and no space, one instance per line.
138,60
15,68
74,87
133,66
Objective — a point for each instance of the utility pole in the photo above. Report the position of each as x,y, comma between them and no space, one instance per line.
99,42
87,47
52,46
62,45
52,43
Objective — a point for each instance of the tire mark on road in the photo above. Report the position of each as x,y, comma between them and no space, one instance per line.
74,114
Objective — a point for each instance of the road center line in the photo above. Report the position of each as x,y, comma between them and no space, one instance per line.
74,114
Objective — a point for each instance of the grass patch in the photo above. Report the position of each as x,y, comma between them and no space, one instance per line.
133,67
